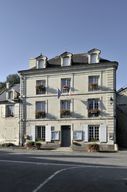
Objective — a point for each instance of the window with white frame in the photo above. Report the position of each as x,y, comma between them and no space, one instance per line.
93,131
93,107
65,85
10,111
93,83
40,133
66,61
41,63
40,109
40,87
65,108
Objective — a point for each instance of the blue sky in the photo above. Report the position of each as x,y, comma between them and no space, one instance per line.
50,27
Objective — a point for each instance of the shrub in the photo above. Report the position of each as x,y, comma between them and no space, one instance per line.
30,144
38,145
8,145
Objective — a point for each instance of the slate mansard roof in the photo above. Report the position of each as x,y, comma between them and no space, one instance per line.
76,60
15,87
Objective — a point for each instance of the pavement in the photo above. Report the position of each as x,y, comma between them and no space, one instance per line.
60,171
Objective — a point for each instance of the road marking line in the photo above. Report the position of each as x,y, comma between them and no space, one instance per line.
51,177
65,164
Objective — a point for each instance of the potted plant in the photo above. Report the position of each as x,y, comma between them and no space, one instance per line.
30,144
38,145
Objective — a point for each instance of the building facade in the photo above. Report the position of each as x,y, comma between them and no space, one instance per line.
9,116
69,99
122,117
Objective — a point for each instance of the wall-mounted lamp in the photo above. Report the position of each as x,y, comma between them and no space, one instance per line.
111,100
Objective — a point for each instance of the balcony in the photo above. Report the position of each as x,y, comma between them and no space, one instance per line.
65,113
40,114
93,112
40,89
65,89
93,87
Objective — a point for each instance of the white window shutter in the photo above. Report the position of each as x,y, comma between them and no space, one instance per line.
7,95
3,111
103,133
16,110
33,133
85,130
99,81
48,133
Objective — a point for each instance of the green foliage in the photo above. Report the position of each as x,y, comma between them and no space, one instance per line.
8,145
13,79
38,145
2,86
30,144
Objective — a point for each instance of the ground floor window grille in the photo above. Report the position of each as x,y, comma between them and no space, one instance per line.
40,133
93,133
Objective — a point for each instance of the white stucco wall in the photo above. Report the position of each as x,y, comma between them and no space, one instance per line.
9,126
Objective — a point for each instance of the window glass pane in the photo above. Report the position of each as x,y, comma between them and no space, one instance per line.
65,104
40,106
9,110
65,85
93,83
93,133
66,61
40,87
40,133
40,110
41,63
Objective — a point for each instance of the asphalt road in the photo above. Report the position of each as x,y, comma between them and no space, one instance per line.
50,171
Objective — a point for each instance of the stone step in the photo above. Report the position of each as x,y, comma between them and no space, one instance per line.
67,149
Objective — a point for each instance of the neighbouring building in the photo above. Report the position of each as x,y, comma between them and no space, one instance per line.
69,99
9,114
122,117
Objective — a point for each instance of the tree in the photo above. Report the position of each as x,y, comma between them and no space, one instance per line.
13,79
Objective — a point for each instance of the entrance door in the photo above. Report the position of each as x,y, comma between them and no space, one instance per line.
65,136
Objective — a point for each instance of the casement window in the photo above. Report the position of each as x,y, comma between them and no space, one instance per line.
40,133
78,135
65,108
40,87
93,133
93,107
93,83
41,63
65,85
10,111
66,61
40,109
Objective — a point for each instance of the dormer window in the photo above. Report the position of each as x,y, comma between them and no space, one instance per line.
66,59
94,56
41,62
10,95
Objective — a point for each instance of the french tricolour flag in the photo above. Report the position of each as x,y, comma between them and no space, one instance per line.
58,93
